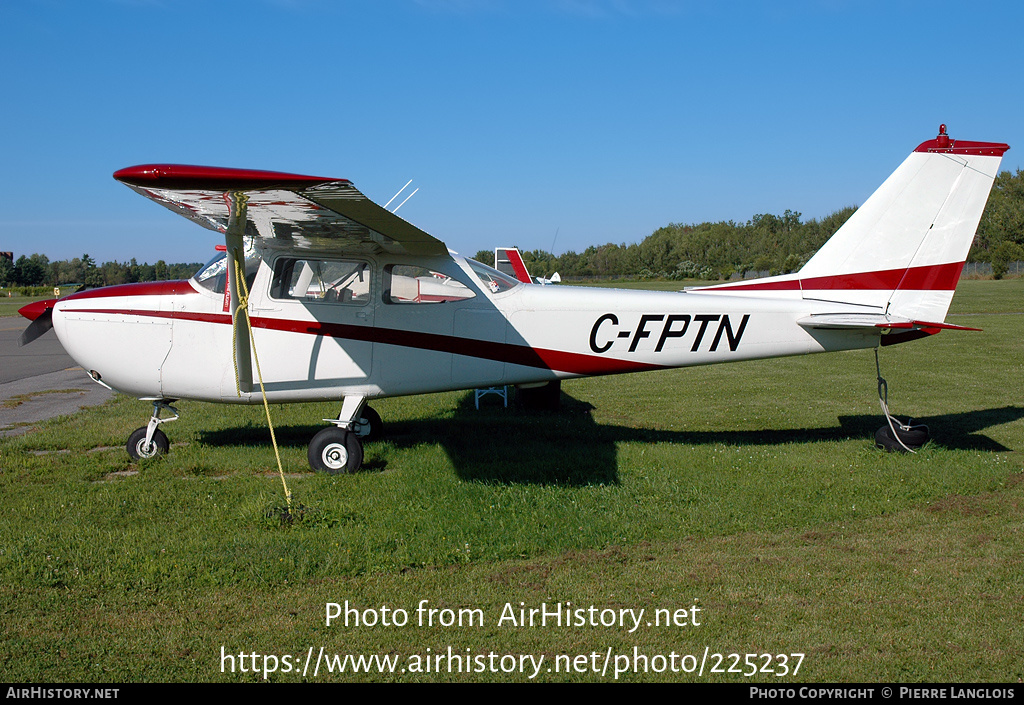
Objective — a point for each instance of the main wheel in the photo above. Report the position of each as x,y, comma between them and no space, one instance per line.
335,450
369,426
543,398
137,448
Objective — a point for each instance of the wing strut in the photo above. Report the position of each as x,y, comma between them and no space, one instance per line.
237,214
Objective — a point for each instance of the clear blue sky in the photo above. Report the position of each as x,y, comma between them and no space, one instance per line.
600,120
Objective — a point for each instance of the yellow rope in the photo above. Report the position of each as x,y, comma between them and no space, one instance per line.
243,305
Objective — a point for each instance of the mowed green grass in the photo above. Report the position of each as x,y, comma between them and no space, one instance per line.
9,305
750,490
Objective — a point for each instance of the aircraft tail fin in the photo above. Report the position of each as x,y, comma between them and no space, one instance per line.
510,261
901,252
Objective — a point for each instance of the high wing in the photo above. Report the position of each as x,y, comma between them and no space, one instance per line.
289,211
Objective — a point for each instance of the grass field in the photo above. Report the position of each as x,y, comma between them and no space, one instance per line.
751,492
9,305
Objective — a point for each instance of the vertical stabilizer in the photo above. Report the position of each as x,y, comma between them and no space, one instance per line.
510,261
902,251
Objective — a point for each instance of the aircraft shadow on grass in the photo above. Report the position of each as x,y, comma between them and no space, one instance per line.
566,447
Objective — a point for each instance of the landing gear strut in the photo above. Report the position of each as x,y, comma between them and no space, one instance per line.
149,441
339,448
896,436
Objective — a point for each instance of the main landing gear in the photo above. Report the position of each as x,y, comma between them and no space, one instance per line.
149,441
339,448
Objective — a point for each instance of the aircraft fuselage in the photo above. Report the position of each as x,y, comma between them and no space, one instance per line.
174,340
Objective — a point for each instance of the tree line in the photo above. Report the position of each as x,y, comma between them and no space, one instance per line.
767,243
38,270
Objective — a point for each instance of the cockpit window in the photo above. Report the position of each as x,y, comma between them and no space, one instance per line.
213,274
493,280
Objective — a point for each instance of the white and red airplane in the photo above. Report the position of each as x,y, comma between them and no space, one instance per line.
349,302
509,260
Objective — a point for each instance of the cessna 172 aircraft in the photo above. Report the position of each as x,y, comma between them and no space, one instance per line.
332,297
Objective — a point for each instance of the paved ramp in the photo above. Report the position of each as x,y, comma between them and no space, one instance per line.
39,381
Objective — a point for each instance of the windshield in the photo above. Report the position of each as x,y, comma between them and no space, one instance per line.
213,274
493,280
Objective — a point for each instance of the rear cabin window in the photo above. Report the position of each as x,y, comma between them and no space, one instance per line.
321,281
493,280
409,284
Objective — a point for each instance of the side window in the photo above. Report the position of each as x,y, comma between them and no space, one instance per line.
409,284
324,281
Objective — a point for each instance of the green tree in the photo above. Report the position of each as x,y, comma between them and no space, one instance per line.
1001,256
1003,219
6,271
91,275
32,271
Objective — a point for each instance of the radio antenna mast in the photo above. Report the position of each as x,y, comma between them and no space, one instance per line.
406,199
396,196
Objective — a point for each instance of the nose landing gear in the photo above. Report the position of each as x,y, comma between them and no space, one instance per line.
149,441
334,450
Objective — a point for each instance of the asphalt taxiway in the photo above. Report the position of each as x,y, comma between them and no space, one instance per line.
39,381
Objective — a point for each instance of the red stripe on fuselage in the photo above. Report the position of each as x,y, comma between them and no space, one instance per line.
935,277
556,360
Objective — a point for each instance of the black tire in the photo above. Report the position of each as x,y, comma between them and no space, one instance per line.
544,398
913,438
136,445
335,451
369,426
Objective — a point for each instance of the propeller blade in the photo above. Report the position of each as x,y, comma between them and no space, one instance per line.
41,315
37,327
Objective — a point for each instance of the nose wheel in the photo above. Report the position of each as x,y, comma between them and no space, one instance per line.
139,448
149,441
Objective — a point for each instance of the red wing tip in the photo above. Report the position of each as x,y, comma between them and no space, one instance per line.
185,176
36,309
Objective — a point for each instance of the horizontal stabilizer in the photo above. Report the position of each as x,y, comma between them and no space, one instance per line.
858,321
